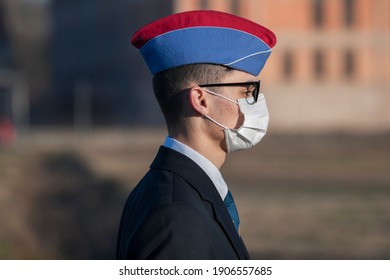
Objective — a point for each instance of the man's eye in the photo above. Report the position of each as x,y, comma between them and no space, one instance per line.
250,88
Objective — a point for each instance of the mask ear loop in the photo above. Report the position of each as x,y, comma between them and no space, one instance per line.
224,97
219,95
214,121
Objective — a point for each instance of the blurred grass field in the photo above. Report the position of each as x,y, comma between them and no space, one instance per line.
299,196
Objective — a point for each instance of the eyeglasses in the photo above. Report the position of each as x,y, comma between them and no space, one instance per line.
252,88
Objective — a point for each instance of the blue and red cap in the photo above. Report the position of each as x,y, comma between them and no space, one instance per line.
210,37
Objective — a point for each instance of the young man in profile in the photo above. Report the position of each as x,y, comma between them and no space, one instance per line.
206,67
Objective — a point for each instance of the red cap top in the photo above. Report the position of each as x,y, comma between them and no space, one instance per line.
201,18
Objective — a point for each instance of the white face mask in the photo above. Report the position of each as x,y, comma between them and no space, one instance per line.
256,118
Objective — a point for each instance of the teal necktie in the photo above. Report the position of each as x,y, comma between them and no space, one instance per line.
231,207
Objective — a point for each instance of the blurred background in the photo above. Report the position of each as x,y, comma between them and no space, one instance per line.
79,126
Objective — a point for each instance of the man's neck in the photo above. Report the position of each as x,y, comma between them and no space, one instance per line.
210,150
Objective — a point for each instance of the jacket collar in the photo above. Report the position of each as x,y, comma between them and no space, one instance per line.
207,166
173,161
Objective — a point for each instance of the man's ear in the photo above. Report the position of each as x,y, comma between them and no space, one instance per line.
198,100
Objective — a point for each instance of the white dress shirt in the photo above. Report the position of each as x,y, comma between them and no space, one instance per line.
207,166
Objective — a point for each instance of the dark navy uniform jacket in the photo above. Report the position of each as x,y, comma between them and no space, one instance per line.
175,212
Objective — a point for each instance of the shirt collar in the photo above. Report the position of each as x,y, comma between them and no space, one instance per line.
207,166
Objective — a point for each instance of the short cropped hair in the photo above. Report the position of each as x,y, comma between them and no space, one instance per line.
169,84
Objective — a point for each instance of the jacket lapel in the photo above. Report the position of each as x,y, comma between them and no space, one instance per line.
174,161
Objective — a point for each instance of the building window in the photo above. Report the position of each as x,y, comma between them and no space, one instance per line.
349,15
319,64
318,13
349,64
204,4
235,7
288,65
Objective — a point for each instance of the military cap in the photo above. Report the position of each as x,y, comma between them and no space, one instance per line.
205,36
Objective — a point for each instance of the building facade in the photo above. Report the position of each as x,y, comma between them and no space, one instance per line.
330,70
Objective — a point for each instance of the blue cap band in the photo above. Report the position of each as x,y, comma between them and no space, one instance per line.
233,48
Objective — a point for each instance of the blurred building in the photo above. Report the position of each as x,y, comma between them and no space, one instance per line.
4,42
330,70
13,92
77,62
26,73
96,76
4,63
